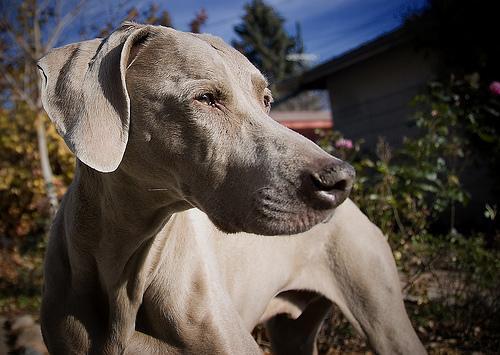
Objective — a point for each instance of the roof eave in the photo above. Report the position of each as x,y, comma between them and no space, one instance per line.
316,78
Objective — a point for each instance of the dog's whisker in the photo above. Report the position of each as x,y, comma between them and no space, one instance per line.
158,189
260,189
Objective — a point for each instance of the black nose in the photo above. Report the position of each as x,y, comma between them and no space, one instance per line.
329,184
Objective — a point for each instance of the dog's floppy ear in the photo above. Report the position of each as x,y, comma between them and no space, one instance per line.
85,95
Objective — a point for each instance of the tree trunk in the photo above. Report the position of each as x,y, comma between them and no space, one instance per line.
45,164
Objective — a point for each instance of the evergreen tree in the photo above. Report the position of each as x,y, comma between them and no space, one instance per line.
264,41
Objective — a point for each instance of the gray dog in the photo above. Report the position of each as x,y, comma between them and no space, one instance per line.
163,121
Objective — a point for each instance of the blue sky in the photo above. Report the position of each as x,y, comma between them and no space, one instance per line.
329,27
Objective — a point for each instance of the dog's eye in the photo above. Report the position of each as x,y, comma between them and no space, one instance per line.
207,98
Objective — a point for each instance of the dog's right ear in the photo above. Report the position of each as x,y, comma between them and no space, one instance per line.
85,94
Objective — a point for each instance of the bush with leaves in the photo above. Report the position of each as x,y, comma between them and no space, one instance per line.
453,280
24,206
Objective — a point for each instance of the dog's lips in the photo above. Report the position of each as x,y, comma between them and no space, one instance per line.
327,196
328,199
270,222
285,224
299,224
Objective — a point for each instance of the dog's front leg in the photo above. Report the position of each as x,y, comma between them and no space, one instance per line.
192,322
195,315
141,343
124,279
176,305
121,326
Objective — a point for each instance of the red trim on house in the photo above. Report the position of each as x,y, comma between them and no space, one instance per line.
307,124
304,122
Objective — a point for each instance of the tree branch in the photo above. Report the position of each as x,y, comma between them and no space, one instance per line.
66,20
36,31
20,92
19,40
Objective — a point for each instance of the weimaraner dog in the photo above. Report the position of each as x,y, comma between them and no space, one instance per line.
165,125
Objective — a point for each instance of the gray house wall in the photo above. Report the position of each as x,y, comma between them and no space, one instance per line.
372,98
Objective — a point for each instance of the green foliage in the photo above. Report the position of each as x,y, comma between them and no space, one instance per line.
264,41
23,202
408,190
474,113
460,34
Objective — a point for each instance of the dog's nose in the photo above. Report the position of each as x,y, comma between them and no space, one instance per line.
330,184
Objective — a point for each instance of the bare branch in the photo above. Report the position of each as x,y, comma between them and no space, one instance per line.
19,91
19,40
66,20
57,11
40,7
36,33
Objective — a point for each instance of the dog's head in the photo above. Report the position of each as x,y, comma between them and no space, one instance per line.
190,114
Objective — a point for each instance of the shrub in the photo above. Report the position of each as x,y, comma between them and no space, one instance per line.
452,280
24,207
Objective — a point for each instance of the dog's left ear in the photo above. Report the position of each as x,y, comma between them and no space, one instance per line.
85,94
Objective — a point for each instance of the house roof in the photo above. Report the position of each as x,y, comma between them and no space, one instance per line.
315,78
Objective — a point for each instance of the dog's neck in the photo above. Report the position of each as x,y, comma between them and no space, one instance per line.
114,214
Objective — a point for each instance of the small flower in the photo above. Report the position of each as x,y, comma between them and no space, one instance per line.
344,143
495,88
434,113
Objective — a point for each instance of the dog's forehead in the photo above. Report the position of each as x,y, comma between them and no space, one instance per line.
203,54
